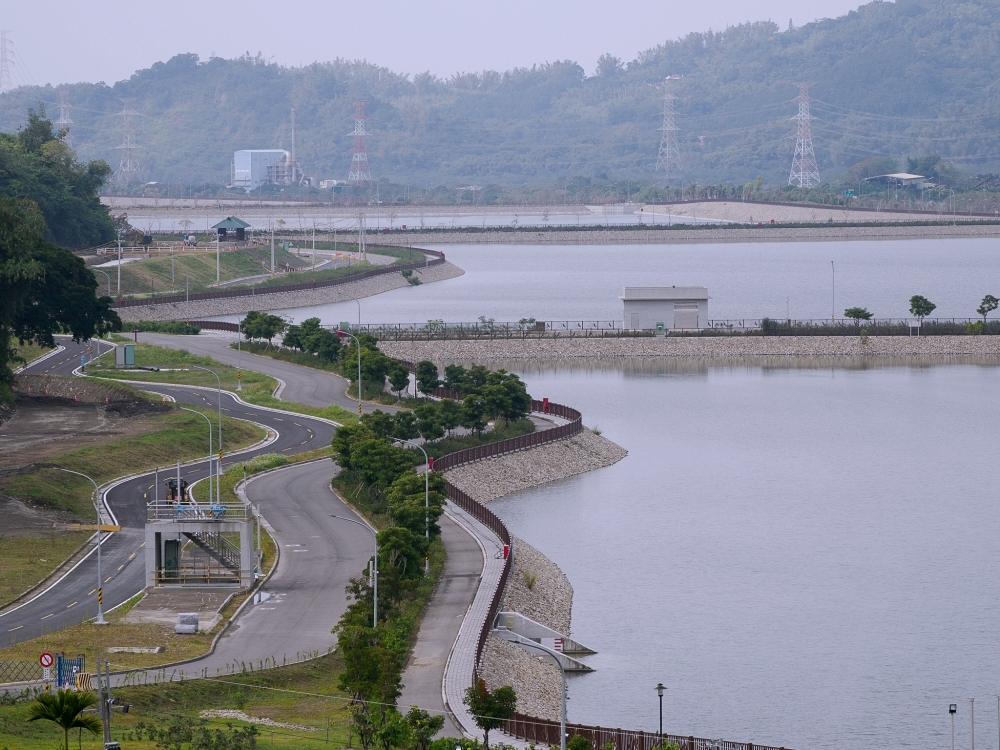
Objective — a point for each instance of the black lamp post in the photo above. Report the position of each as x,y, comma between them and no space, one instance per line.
952,709
659,691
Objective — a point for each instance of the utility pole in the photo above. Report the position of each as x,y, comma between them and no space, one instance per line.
668,158
272,252
804,173
362,251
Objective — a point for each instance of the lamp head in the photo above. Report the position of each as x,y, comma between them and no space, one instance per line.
952,708
659,689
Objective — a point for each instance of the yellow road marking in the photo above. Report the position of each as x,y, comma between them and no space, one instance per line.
296,424
122,565
47,616
71,605
303,442
107,579
142,545
91,592
132,556
17,628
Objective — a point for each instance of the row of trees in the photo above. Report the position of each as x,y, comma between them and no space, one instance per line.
496,395
921,307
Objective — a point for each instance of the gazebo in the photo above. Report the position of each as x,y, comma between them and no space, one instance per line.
231,222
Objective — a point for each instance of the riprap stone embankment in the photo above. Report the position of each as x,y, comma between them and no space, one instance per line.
693,346
199,309
537,588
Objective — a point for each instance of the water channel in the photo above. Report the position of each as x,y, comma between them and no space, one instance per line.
806,553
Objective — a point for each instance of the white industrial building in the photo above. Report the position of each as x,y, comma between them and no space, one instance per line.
673,307
255,167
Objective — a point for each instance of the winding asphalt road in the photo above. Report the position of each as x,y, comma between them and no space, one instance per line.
319,554
303,385
72,599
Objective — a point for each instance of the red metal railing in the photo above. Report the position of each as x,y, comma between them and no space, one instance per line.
545,732
256,291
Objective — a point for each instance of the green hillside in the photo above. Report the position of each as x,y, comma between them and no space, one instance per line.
897,80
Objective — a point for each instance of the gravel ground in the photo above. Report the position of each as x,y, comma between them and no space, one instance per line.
549,598
690,346
200,309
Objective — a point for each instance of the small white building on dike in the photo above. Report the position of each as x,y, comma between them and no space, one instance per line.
675,307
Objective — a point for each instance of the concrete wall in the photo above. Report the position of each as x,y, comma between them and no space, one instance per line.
650,312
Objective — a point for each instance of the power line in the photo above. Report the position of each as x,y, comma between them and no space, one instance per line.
669,156
804,172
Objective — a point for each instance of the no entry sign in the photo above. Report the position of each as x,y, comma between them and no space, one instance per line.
46,659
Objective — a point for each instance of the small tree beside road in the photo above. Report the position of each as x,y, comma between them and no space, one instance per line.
64,709
921,307
427,377
490,710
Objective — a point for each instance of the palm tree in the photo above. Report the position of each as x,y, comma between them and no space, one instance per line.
64,709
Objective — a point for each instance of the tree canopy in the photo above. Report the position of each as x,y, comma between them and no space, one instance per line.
38,165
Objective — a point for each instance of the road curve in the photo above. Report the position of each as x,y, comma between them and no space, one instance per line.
303,385
72,599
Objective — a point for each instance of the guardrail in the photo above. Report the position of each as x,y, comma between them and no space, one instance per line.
256,291
206,512
545,732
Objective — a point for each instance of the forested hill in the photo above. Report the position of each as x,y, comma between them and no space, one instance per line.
909,78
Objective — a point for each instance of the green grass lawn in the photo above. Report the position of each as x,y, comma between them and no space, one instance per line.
304,694
29,559
29,351
257,388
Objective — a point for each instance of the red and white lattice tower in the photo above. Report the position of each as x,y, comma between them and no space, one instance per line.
128,168
804,172
360,173
6,62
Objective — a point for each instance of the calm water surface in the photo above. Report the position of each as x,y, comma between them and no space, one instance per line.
806,558
557,282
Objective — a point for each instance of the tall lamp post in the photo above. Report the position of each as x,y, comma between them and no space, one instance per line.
833,293
108,276
427,499
219,464
205,417
530,645
342,332
660,689
952,709
100,582
375,574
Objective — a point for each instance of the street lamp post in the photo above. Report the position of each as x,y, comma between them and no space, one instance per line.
239,355
209,454
833,293
108,276
375,574
532,645
660,689
952,709
219,464
100,582
342,332
427,500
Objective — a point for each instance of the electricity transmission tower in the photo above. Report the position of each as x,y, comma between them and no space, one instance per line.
360,173
669,157
804,172
64,121
128,167
6,60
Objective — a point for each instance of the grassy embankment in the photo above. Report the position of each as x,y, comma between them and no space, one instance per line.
163,275
164,437
257,388
29,351
304,694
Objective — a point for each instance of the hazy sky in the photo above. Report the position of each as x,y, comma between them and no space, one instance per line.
67,41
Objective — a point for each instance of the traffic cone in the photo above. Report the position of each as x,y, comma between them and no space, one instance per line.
105,400
74,398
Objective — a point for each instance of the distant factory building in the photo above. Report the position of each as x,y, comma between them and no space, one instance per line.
672,307
255,167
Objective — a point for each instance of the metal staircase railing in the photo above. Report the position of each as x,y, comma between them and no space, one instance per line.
219,548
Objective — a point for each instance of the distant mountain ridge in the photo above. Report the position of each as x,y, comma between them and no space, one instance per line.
898,80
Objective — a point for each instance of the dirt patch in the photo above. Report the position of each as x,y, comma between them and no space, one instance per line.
22,519
47,426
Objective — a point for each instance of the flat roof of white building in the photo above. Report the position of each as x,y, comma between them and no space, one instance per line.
665,293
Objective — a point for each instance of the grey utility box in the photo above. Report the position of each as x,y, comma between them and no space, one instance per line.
125,355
